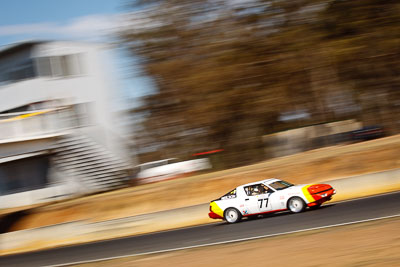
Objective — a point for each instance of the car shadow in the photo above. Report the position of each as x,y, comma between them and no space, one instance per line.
272,215
287,212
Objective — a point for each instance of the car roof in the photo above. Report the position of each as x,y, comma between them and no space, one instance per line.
266,181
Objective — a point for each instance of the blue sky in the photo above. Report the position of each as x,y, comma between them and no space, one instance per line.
31,11
84,20
40,19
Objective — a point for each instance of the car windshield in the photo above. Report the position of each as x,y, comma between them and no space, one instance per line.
279,185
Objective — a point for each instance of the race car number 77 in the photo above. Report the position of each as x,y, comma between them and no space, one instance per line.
261,202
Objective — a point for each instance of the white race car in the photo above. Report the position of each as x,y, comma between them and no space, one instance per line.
267,196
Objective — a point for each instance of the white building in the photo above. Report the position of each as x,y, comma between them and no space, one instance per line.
59,135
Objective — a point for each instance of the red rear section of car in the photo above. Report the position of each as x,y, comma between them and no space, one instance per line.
321,193
213,215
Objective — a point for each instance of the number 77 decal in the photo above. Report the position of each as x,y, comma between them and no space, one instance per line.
261,202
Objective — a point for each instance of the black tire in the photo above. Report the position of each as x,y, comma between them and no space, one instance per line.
296,205
232,215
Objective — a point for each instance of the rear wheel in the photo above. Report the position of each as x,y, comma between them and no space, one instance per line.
232,215
296,205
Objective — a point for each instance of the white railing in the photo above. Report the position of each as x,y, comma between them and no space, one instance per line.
37,123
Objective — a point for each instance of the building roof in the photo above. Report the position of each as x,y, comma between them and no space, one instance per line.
11,48
7,49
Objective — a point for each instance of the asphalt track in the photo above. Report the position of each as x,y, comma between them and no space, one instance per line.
340,213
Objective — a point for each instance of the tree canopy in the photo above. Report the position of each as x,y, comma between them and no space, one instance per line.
226,70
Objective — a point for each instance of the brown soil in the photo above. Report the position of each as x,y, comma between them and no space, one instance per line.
312,166
367,244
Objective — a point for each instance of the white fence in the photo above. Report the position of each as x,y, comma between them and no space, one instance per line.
170,170
37,123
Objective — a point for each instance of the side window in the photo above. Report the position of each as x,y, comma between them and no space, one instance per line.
231,194
60,66
268,190
255,189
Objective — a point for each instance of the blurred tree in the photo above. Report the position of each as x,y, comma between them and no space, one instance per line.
364,39
226,70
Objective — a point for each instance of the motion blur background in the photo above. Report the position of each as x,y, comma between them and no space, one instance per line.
92,92
261,79
101,100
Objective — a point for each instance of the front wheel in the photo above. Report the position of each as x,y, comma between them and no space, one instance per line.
296,205
232,215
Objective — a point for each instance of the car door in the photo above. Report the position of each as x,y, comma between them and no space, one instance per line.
277,200
256,199
264,200
250,205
